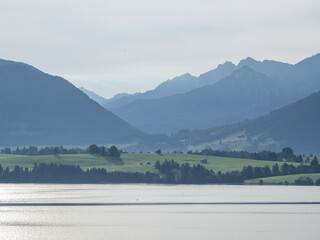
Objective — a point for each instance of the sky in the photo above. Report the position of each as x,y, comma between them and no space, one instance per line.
132,46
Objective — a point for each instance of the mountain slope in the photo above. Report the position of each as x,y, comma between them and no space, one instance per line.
37,108
92,95
296,125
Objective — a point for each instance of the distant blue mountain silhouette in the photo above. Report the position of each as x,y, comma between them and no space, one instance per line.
37,108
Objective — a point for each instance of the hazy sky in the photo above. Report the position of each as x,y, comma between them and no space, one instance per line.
129,46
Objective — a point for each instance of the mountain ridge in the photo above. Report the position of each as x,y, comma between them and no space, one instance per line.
92,95
184,110
177,85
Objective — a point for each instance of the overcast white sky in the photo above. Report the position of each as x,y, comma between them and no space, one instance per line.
133,45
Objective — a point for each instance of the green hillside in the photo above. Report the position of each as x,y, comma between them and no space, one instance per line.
131,162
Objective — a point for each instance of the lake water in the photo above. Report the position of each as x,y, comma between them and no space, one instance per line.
132,211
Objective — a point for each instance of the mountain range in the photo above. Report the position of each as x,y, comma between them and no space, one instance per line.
212,110
225,95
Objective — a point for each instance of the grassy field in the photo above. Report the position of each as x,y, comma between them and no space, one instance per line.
131,162
235,141
281,179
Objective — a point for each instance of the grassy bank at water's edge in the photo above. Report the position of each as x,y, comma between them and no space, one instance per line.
282,179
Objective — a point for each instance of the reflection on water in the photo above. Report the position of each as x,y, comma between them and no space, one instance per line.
143,221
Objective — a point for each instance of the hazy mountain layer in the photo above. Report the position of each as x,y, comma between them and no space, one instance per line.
244,94
177,85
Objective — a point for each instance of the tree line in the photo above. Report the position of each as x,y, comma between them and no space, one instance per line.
249,172
173,172
286,154
112,152
63,173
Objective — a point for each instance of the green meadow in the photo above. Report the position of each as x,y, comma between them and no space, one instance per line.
131,162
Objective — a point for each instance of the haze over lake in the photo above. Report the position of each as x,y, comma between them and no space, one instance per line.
131,211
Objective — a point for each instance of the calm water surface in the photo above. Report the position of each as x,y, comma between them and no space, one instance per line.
30,211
